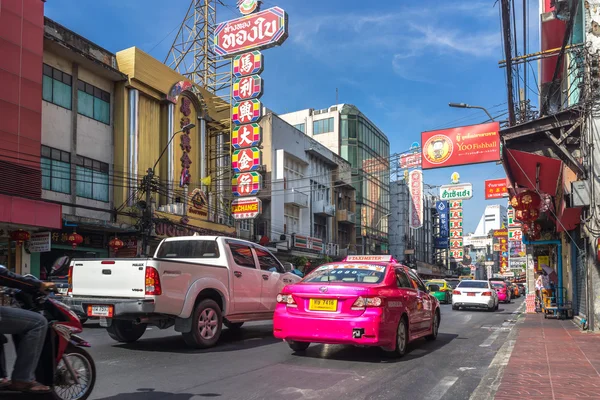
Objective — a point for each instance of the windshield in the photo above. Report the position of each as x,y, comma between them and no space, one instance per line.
348,273
498,285
473,284
452,284
188,249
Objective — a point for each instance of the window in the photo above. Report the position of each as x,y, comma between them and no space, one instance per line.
267,262
244,224
417,283
301,127
56,170
189,249
242,255
56,86
92,179
323,126
402,279
474,284
93,102
291,216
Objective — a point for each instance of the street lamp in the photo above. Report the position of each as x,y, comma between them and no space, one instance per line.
147,219
464,105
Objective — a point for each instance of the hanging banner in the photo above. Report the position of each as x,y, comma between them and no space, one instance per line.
415,187
461,146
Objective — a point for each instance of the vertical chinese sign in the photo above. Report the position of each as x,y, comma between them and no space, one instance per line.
241,39
501,244
442,240
456,231
415,188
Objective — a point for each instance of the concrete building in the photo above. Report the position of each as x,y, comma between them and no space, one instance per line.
308,200
346,131
494,217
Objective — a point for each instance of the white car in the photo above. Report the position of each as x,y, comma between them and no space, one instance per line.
475,294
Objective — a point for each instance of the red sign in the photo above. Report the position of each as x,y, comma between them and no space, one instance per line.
495,189
252,32
416,195
246,184
248,87
246,208
461,146
247,64
410,160
245,160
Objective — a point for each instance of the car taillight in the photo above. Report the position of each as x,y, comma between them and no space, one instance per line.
443,290
486,293
363,302
70,280
153,287
286,299
456,292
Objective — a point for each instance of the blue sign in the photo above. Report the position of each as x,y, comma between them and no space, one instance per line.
441,243
444,213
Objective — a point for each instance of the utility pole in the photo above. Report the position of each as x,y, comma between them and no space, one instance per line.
147,215
508,54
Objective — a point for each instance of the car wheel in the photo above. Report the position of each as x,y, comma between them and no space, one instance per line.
497,306
234,326
401,338
207,324
435,326
125,331
455,307
298,346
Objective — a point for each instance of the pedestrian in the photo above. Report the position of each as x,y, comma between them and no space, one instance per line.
538,289
30,328
546,290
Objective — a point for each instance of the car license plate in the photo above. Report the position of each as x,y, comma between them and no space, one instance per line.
470,294
100,311
322,305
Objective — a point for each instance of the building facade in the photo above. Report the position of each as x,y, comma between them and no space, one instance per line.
348,132
494,217
307,198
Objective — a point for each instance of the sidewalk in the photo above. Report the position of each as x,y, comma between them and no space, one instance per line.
552,359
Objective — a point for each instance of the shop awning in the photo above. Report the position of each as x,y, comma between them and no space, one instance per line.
33,213
568,219
530,170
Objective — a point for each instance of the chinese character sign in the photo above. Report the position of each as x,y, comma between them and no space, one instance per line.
456,230
415,179
249,135
186,147
444,212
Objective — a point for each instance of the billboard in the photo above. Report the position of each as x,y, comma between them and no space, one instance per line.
246,208
461,191
461,146
443,209
410,161
415,187
495,189
256,31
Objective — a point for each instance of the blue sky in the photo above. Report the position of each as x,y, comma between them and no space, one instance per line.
401,62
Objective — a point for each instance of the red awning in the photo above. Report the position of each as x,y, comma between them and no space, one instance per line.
523,168
568,220
35,213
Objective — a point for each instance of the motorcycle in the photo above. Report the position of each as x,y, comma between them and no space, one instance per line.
64,364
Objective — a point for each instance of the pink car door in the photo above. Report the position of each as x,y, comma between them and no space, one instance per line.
272,279
423,302
410,299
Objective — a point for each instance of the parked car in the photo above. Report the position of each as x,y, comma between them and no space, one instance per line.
364,300
502,289
196,283
444,294
475,294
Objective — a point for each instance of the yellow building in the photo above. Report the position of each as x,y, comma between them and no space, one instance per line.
151,107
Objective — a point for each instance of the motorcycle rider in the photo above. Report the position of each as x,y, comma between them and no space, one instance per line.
31,328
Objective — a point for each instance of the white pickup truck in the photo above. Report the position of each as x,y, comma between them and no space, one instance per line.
197,283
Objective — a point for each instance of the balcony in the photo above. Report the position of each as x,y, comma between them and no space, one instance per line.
321,207
346,217
296,198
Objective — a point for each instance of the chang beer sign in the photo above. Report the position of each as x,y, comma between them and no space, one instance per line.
462,191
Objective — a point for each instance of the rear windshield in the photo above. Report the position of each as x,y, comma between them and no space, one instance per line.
348,273
452,284
498,284
189,249
473,284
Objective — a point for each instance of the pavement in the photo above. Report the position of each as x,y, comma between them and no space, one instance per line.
551,360
253,365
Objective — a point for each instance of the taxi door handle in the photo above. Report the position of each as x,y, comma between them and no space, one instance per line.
237,274
265,277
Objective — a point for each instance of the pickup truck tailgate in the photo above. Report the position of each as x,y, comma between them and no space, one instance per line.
125,278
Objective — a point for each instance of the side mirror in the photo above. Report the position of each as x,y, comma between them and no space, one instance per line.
434,288
288,267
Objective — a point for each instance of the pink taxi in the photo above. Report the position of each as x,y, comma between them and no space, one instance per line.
363,300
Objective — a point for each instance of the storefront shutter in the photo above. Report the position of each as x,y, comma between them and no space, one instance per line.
581,284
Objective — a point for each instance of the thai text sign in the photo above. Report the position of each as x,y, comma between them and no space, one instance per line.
252,32
460,146
245,208
462,191
415,187
495,189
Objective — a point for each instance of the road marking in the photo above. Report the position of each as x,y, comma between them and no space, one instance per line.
488,342
463,369
441,388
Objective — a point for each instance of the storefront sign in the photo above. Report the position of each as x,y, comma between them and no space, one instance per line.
515,235
245,160
198,203
246,112
247,87
442,208
40,242
248,64
166,229
246,184
456,233
89,239
441,242
456,254
456,243
512,222
246,136
495,189
256,31
463,191
456,223
415,187
455,204
461,146
410,161
456,214
246,208
248,6
500,233
186,143
307,242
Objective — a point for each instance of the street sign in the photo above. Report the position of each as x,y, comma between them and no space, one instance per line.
246,208
462,191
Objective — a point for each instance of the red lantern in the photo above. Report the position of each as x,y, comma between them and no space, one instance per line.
526,229
526,216
526,200
116,244
20,236
75,239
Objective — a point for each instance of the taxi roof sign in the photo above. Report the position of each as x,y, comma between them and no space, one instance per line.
382,258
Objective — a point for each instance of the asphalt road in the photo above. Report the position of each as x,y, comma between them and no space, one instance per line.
252,365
